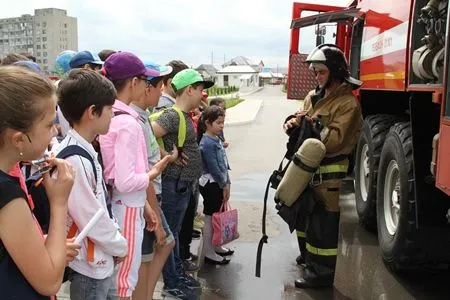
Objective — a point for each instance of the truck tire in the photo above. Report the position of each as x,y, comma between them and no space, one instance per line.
368,150
396,204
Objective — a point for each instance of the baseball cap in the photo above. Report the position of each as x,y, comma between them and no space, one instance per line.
30,65
124,65
63,59
157,70
85,57
188,77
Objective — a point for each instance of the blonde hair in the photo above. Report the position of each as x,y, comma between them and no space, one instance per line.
21,98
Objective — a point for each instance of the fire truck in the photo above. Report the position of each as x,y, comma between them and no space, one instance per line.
399,49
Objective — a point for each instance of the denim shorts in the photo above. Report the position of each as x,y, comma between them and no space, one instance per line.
86,288
150,237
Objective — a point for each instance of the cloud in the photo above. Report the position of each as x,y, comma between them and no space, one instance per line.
193,31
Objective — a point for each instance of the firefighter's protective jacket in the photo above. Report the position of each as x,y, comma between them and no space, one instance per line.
340,114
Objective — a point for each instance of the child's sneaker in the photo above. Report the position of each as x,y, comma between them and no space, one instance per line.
190,266
174,293
190,281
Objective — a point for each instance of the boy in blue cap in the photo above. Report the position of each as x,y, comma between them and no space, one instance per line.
86,60
68,60
154,255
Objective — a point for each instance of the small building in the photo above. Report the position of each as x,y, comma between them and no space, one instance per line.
269,76
238,76
265,76
209,72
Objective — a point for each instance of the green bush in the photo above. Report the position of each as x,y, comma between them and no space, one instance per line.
216,91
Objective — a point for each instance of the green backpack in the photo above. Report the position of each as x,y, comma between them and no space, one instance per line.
181,126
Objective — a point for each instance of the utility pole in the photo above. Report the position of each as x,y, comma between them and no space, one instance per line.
212,57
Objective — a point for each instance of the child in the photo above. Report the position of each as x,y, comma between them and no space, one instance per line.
29,267
178,178
221,103
215,181
167,98
81,60
153,258
86,99
86,60
125,160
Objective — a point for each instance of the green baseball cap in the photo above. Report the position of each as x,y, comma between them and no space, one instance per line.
189,77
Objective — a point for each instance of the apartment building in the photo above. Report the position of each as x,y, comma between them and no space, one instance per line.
45,34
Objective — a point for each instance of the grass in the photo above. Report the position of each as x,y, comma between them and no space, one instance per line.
232,102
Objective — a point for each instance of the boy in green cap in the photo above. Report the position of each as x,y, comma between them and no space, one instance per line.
178,178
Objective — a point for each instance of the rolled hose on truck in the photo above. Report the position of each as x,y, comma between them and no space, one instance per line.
300,172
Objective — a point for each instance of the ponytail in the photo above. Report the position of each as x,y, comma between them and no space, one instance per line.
201,127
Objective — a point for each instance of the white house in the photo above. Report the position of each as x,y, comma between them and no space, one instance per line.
268,76
238,76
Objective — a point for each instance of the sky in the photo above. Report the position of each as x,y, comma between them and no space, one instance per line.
196,31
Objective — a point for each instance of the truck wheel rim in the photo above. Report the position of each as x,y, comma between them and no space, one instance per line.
392,197
364,172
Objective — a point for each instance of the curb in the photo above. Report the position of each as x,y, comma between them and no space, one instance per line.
247,121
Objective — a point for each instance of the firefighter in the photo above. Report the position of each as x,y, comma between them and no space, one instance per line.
334,106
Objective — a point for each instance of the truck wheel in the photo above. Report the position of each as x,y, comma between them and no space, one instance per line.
396,204
367,159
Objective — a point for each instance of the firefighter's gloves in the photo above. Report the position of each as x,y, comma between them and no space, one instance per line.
294,120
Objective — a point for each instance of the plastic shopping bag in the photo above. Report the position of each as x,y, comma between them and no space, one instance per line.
225,225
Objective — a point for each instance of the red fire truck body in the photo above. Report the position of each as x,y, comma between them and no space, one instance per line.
399,49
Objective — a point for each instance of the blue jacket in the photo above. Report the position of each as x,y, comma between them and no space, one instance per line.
215,160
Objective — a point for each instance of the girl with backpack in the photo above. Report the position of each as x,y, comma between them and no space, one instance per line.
30,267
215,181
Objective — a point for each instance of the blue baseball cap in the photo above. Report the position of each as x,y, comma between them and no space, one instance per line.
156,70
85,57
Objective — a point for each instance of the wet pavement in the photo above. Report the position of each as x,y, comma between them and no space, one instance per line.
360,272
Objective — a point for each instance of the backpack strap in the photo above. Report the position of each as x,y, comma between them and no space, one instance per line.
2,247
69,151
182,127
72,150
120,112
